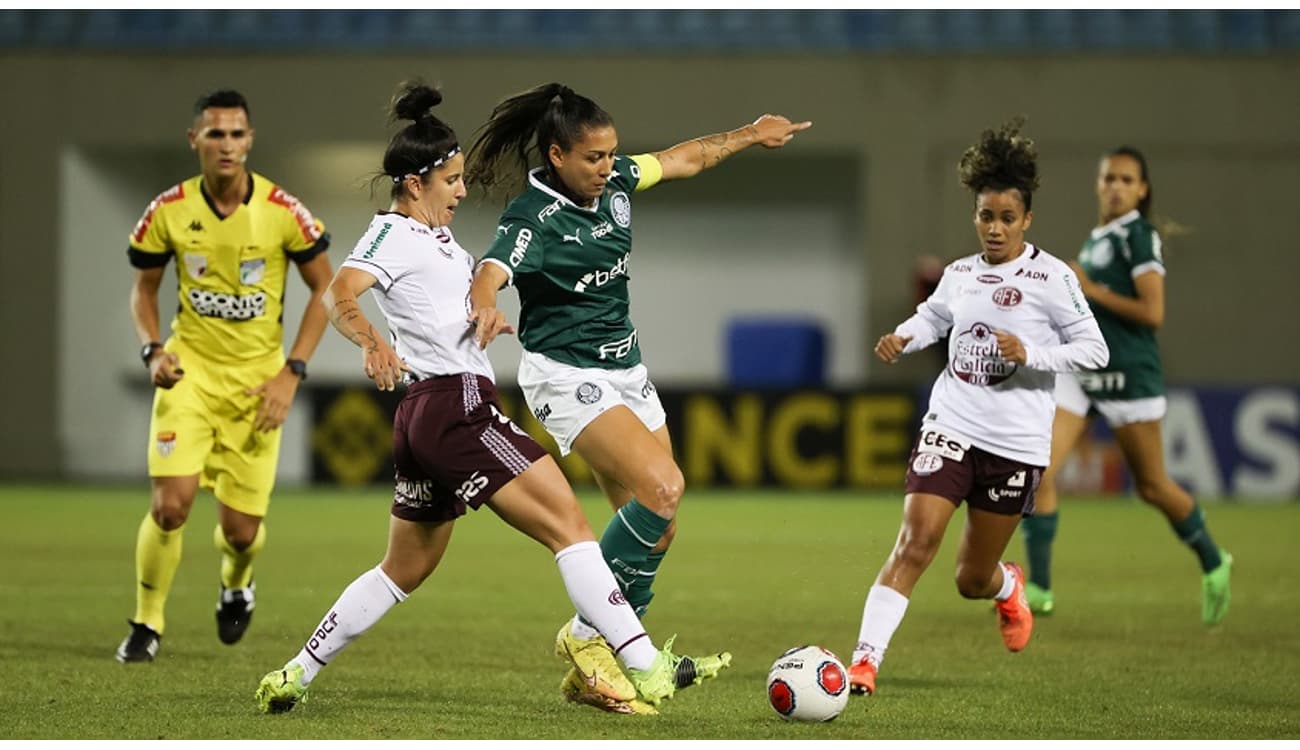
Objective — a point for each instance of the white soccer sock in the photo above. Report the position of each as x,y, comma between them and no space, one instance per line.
881,616
582,630
360,606
1008,583
598,599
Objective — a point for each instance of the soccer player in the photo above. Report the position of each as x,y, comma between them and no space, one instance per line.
223,385
565,243
1122,275
454,449
1014,316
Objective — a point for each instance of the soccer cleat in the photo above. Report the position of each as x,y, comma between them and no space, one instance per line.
862,677
141,644
1041,601
234,612
578,690
281,690
1215,591
1014,617
669,672
595,664
693,670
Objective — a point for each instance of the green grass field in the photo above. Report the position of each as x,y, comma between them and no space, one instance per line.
469,655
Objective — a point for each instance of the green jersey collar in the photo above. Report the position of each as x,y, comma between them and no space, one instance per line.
1116,225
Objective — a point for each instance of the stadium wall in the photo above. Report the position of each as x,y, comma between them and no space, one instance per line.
830,227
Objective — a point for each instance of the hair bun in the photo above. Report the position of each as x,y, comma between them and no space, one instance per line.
414,101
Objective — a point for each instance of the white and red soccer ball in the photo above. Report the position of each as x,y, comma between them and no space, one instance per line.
808,683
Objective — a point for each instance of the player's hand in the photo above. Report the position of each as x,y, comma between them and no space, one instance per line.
1010,348
890,347
488,323
277,395
774,131
165,370
382,365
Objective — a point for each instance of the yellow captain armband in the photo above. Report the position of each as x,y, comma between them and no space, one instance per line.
651,171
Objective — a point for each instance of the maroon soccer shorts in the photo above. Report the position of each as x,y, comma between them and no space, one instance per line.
453,448
953,469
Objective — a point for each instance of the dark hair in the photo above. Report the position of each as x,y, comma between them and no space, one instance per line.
1002,160
222,98
530,121
424,144
1144,205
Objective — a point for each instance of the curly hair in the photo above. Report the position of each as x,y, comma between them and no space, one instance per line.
1002,160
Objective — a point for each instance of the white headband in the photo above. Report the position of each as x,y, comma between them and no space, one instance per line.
425,169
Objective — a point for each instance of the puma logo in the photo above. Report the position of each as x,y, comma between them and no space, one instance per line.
575,237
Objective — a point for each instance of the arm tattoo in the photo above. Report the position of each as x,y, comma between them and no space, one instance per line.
343,314
713,149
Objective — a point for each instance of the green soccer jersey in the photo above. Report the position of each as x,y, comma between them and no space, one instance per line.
1113,256
570,265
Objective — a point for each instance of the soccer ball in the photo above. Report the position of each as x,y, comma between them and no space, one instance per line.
808,683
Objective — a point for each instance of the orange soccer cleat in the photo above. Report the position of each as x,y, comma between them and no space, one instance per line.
1014,616
862,677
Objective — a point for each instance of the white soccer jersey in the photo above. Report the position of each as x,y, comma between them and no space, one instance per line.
993,403
422,286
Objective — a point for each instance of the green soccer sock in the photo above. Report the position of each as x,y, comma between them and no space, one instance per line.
627,543
1040,531
639,593
1194,534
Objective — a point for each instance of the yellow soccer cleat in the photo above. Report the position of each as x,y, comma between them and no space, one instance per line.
281,690
577,690
595,664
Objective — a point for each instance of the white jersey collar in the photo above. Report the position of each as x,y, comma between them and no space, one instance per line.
535,180
1115,225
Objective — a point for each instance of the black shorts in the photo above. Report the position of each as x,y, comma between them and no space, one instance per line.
943,466
453,448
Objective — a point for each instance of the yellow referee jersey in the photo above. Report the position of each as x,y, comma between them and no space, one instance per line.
232,271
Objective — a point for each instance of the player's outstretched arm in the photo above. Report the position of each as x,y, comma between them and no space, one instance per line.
694,156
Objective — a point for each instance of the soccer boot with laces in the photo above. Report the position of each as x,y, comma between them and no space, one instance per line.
281,690
234,613
597,668
1216,592
141,644
670,672
1015,620
862,677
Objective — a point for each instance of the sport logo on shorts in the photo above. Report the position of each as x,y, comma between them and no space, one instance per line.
926,464
166,443
588,393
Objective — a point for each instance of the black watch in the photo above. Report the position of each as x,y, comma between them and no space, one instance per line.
147,351
297,367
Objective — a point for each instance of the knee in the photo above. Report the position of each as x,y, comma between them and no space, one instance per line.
916,547
668,493
240,538
169,510
972,583
1150,490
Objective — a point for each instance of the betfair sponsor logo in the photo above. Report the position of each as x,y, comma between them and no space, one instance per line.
599,278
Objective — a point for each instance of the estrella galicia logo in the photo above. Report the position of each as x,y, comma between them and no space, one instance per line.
588,393
621,206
